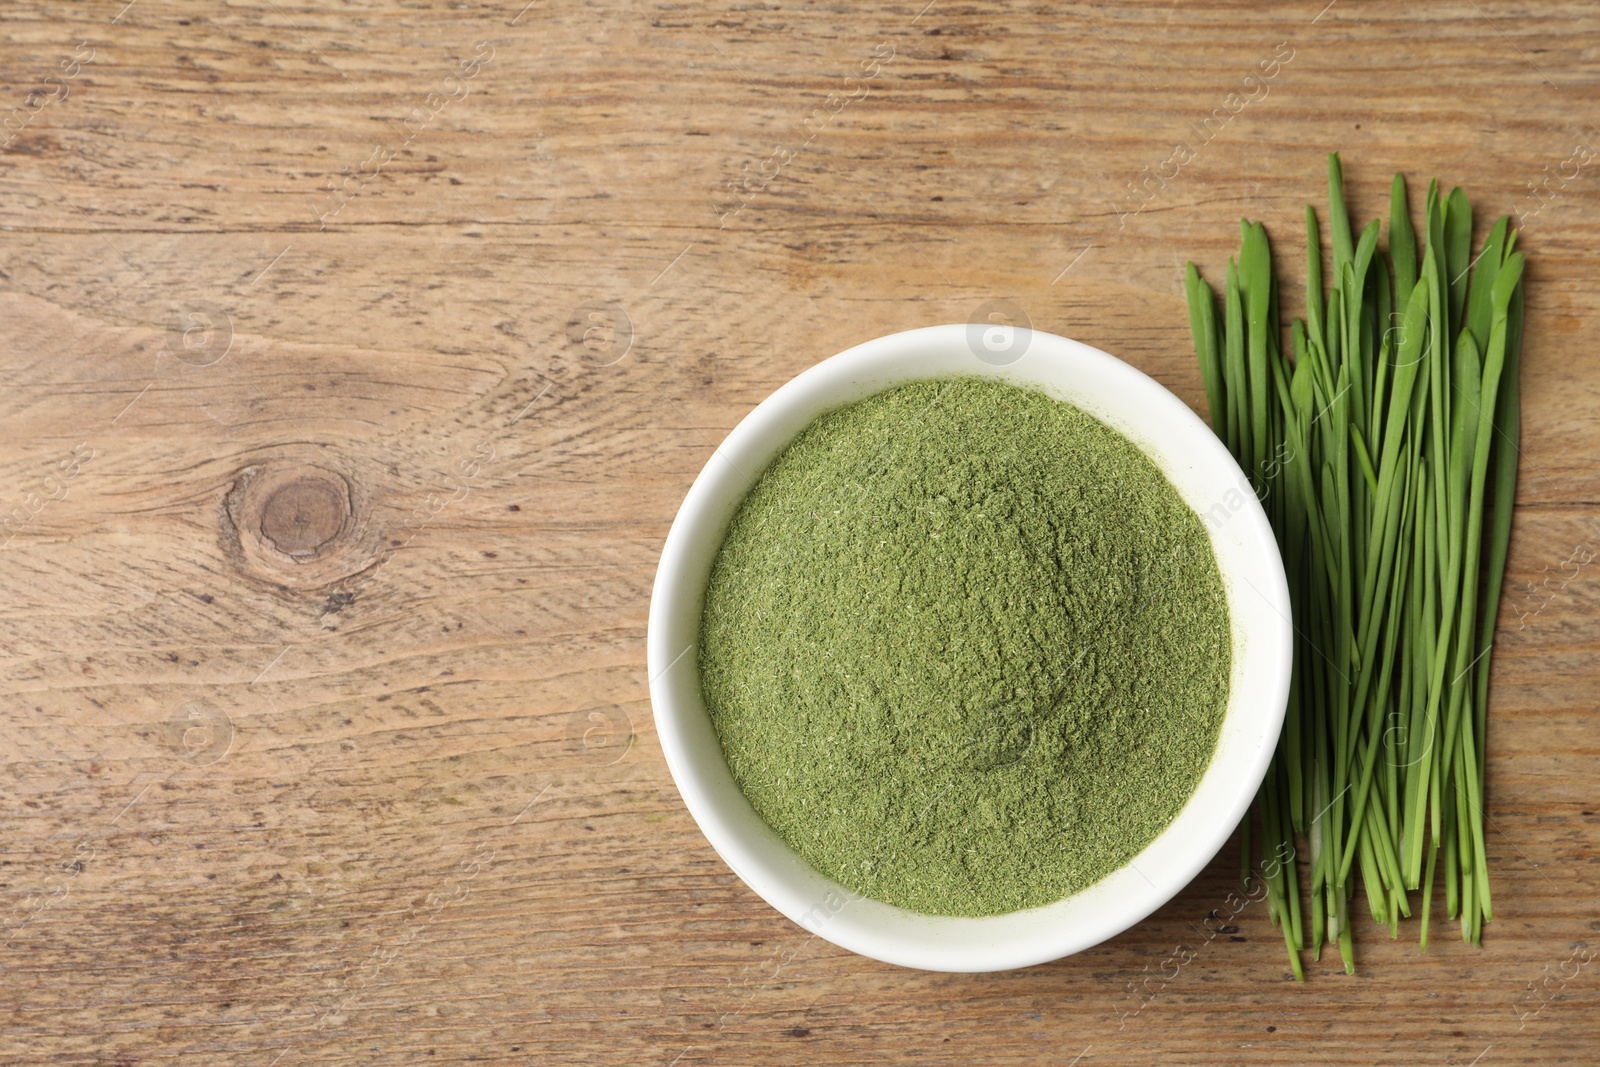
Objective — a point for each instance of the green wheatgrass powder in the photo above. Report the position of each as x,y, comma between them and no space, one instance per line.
966,649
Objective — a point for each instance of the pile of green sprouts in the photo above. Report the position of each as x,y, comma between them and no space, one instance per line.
1385,455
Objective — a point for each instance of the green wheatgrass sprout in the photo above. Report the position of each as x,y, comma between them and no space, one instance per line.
1372,452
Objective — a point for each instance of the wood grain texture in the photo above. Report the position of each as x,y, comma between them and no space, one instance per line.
357,356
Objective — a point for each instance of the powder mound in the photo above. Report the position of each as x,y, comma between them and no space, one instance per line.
965,648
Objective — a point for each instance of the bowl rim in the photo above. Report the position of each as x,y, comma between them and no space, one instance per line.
945,943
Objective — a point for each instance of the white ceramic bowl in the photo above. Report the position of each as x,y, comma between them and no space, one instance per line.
1207,478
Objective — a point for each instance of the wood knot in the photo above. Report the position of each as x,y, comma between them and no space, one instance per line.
295,523
302,518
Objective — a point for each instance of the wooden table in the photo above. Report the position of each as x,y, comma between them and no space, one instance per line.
357,357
